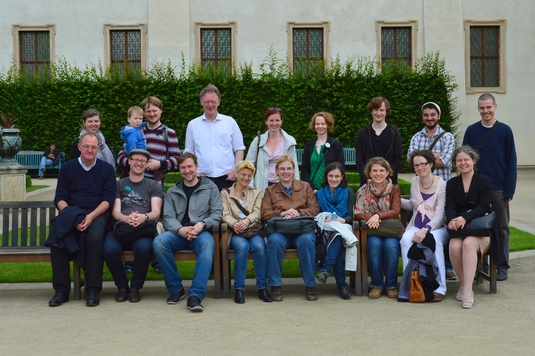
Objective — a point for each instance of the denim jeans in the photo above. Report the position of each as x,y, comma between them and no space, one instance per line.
142,249
306,251
383,254
334,259
45,162
242,247
166,244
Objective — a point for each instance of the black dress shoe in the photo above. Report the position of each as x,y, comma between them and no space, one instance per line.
92,299
238,297
122,294
176,297
134,296
264,295
194,304
58,299
344,293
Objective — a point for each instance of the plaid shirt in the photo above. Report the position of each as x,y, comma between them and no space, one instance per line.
446,146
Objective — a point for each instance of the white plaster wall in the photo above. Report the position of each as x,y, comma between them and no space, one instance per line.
261,24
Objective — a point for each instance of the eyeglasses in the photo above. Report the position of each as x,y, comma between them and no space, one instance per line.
282,169
421,165
137,160
87,147
274,109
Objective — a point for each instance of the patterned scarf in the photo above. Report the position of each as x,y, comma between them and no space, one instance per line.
333,202
371,199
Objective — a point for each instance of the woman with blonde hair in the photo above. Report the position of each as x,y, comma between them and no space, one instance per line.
241,208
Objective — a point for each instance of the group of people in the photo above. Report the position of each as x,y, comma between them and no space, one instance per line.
219,185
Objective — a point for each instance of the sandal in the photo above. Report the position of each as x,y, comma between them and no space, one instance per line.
468,304
459,296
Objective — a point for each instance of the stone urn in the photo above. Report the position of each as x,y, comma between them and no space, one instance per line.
10,144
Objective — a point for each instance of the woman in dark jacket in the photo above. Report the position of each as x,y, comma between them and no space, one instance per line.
468,196
321,151
379,139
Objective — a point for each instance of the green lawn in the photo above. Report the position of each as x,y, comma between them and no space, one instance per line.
41,272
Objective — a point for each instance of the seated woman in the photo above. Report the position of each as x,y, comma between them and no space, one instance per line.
336,197
290,198
468,196
377,200
428,197
241,207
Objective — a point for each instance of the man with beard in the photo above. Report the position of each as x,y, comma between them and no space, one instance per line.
434,138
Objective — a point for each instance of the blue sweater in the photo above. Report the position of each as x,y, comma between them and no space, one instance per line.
86,189
497,156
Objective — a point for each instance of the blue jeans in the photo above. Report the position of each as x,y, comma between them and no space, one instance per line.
242,247
142,249
166,244
334,258
45,162
306,251
383,254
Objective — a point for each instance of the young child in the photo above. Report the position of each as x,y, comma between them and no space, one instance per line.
133,137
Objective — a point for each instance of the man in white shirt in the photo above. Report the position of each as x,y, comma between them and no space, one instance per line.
216,140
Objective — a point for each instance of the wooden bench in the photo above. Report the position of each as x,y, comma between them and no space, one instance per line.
28,244
228,255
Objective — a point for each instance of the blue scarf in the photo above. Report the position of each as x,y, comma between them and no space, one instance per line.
333,202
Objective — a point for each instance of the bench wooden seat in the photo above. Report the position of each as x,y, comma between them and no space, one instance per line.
28,245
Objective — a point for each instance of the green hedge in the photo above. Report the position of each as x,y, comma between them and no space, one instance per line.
49,108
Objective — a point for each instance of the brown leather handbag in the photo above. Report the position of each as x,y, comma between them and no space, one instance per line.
416,291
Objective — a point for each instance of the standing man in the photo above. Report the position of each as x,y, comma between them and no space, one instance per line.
434,138
497,160
162,144
442,144
191,206
216,140
85,191
138,204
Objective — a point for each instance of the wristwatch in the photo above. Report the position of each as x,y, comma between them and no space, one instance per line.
203,224
146,217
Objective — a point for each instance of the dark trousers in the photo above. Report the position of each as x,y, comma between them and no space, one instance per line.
94,261
221,182
142,249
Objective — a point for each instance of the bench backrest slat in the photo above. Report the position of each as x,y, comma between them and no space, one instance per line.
35,217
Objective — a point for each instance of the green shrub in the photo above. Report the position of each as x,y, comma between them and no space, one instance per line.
49,108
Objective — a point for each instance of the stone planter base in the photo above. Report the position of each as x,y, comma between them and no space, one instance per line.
13,182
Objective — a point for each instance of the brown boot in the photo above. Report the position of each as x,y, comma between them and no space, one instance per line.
276,294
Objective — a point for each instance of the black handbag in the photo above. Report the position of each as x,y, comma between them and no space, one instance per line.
290,227
477,227
126,233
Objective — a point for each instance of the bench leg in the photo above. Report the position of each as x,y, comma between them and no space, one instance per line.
78,283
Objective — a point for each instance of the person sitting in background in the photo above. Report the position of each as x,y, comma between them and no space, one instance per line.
380,199
50,159
321,151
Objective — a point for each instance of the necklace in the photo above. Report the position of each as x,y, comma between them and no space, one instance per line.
430,185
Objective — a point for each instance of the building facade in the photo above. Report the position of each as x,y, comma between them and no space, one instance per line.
488,45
